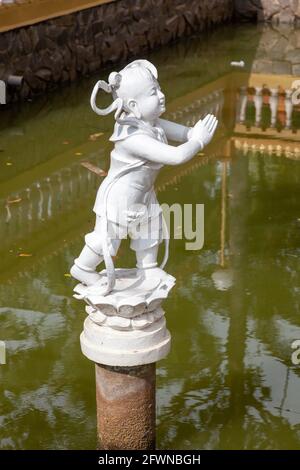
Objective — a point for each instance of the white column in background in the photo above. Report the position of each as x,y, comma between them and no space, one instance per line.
273,105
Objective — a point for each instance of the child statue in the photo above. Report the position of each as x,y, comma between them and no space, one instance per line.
126,203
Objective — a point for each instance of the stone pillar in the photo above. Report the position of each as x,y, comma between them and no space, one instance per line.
258,103
126,407
243,100
288,108
273,105
125,334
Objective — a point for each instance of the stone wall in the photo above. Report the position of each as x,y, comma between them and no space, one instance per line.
60,50
278,52
275,11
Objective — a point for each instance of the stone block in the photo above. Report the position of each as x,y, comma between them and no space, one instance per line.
294,56
281,67
296,70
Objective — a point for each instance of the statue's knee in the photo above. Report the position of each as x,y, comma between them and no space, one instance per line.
93,241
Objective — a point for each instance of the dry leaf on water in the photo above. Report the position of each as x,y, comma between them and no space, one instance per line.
24,255
94,169
14,201
94,137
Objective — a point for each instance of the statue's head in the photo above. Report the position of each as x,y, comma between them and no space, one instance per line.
136,92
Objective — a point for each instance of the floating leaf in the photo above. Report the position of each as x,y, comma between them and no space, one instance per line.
66,142
94,168
78,153
8,163
67,275
25,255
95,136
14,201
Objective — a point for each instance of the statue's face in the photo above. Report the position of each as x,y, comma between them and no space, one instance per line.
149,101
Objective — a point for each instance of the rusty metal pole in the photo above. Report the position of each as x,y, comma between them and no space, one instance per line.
126,407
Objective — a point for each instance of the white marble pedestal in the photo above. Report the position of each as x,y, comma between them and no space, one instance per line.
127,327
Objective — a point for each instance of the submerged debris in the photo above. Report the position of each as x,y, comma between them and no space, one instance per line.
240,64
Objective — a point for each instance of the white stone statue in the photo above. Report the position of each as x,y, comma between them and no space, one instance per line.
126,324
126,202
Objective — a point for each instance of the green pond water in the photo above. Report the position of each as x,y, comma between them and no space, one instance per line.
229,381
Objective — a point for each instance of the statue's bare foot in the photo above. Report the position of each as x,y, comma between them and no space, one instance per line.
85,277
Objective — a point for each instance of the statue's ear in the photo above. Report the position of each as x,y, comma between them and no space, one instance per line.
133,107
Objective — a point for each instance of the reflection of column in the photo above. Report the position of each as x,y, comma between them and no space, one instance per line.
29,211
89,181
258,103
61,183
71,181
214,101
68,186
59,195
223,277
211,98
18,213
83,182
23,211
50,197
243,99
217,103
274,105
221,103
40,202
288,108
204,106
223,215
81,187
237,334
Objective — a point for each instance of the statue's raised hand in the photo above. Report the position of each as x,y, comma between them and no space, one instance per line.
204,130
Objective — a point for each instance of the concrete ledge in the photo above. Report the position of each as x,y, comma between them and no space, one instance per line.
28,12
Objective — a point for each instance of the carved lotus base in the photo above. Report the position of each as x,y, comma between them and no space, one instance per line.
126,327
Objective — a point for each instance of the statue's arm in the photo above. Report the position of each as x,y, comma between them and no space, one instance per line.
142,145
174,131
150,149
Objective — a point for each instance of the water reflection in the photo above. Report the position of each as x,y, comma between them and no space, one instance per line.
229,381
223,276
